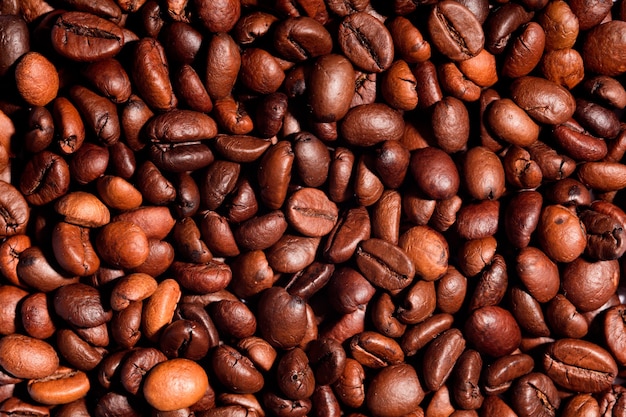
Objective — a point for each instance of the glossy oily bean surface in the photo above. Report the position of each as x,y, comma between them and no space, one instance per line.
300,208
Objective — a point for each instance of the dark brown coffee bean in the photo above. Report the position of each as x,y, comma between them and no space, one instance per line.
17,42
384,264
492,284
579,365
555,222
492,331
236,371
455,31
588,285
180,126
606,90
435,173
310,212
486,183
286,332
394,391
528,313
369,124
99,113
85,37
45,178
295,376
599,59
331,87
301,38
150,75
465,380
366,42
544,100
564,319
535,395
440,358
501,24
503,371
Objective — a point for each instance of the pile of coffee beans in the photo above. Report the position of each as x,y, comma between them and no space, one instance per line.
323,208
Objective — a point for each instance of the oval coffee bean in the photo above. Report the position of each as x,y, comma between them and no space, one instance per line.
385,265
579,365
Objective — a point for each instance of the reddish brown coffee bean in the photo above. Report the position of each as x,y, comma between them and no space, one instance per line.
435,173
564,319
492,331
503,371
394,391
63,386
588,285
287,332
455,31
544,100
36,318
532,263
295,377
310,212
73,250
427,249
36,79
222,65
15,210
85,37
236,371
151,75
26,357
292,253
123,244
175,384
440,358
356,34
159,308
488,182
525,51
408,40
384,264
600,60
369,124
118,193
589,368
450,124
555,223
510,123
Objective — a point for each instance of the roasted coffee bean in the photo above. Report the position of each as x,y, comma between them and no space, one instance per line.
85,37
192,382
535,395
455,31
579,365
366,42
